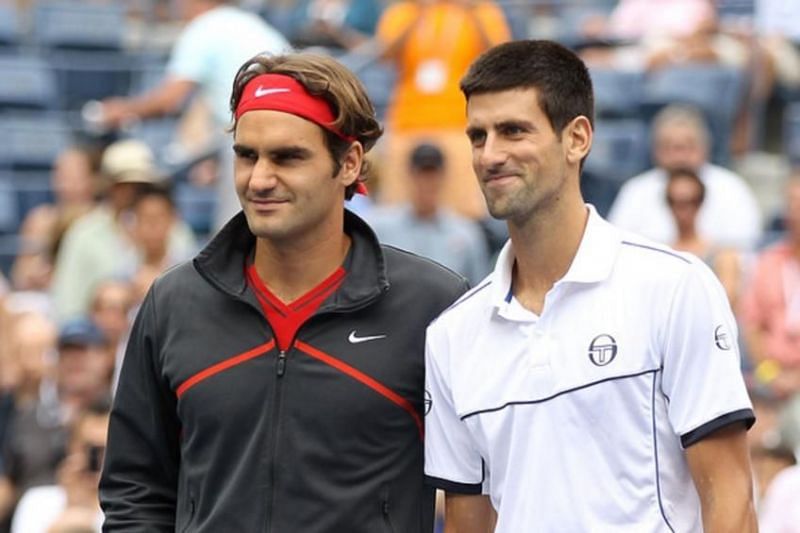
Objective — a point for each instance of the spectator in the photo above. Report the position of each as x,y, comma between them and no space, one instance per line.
336,24
685,195
35,438
73,183
730,215
111,309
431,43
770,311
40,508
85,366
425,227
653,34
218,38
100,245
780,508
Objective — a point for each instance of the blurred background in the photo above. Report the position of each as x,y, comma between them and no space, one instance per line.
115,164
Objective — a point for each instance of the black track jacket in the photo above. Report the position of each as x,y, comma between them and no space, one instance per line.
214,431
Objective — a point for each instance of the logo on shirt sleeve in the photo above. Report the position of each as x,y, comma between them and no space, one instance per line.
428,402
602,349
721,338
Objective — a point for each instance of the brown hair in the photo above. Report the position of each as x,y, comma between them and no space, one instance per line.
324,77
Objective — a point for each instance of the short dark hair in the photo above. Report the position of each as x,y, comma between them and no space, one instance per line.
324,77
560,77
691,175
157,190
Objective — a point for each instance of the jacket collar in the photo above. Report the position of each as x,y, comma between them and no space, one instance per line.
222,263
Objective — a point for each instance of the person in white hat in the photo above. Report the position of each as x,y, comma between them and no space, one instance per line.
98,245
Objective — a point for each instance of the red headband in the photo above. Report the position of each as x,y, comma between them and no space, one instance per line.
278,92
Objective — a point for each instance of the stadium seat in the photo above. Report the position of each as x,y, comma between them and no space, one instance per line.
791,132
32,188
9,218
31,141
84,76
9,246
619,151
10,34
617,93
378,78
26,83
196,206
716,90
79,25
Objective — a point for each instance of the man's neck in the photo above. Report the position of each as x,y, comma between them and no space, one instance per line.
544,248
290,270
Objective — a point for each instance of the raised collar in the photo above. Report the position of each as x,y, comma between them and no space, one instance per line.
222,262
592,263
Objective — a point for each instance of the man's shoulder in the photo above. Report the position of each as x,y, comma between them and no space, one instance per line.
464,311
403,262
178,279
648,261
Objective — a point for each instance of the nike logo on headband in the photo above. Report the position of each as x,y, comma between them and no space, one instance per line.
261,91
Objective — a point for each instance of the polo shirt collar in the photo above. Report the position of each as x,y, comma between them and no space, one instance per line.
593,262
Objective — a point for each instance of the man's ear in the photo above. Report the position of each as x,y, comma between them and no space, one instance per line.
577,139
351,164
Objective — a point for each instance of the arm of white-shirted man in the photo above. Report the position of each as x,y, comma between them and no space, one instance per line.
468,513
708,405
720,467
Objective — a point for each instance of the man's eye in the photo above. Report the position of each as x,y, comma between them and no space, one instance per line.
477,138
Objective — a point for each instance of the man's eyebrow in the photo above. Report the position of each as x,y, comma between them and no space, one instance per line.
518,123
290,151
240,148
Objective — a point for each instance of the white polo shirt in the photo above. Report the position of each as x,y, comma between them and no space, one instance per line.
576,420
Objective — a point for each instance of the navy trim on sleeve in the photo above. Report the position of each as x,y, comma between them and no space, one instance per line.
452,486
745,416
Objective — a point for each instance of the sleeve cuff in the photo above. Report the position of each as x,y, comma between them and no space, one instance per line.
742,416
452,486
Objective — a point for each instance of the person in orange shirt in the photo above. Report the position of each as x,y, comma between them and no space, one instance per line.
431,43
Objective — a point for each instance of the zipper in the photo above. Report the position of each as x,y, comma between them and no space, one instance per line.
280,370
281,365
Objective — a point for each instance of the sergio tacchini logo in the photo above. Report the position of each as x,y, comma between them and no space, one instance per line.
602,349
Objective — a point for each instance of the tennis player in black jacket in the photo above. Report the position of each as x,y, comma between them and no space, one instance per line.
276,382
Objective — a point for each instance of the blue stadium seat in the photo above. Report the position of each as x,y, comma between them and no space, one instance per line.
10,34
32,188
196,206
84,76
9,217
9,246
379,79
26,82
79,25
718,91
620,150
791,132
32,141
617,93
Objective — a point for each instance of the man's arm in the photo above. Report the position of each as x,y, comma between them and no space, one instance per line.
165,99
720,467
468,513
139,483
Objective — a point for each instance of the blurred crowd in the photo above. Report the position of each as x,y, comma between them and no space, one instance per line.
120,205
